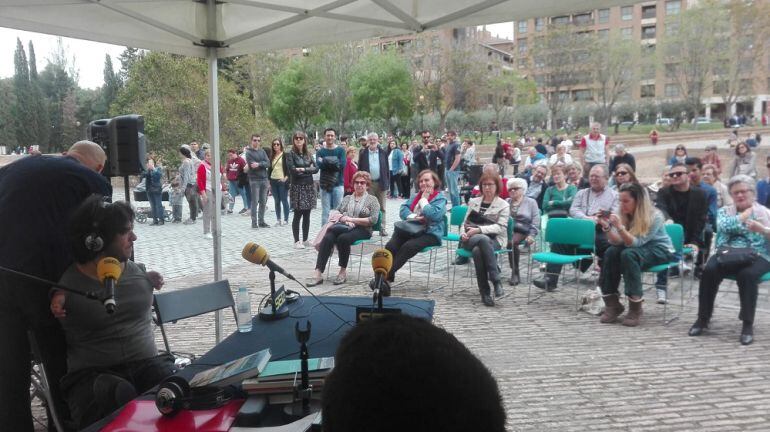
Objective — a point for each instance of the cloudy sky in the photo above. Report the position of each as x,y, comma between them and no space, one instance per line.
89,56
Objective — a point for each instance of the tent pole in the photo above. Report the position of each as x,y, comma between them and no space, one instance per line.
215,156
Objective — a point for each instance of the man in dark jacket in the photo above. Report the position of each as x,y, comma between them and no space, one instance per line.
257,163
686,205
374,160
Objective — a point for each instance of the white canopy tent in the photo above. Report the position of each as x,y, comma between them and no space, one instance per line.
217,29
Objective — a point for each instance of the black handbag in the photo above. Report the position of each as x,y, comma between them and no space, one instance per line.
558,213
409,228
732,259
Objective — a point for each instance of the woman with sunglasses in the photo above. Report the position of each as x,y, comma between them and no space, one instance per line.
302,190
623,174
278,173
638,240
355,216
680,155
744,162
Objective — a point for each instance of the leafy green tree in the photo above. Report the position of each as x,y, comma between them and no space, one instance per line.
335,64
37,104
127,58
297,96
254,74
22,111
111,87
509,91
382,87
7,118
56,84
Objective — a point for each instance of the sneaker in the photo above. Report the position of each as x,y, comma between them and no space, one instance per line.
208,236
243,211
661,295
263,225
230,211
254,225
299,245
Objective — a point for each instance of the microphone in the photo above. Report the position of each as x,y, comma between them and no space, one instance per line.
256,254
382,261
108,271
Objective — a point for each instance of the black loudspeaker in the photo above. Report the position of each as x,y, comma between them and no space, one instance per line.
123,140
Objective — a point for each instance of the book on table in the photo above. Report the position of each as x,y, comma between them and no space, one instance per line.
234,371
281,376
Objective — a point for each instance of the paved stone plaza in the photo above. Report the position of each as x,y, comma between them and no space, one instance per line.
558,370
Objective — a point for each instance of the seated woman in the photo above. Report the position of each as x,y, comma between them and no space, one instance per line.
429,209
526,216
623,174
558,198
355,216
484,230
575,175
111,358
744,224
638,240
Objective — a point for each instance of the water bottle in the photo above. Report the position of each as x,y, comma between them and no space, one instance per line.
243,308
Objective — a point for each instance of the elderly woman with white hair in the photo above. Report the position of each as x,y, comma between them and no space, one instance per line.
742,228
526,216
561,157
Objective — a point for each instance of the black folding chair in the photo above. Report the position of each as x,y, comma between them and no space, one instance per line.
40,388
172,306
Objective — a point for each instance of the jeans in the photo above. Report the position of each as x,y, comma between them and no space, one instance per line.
280,197
156,206
483,248
452,178
395,184
236,190
630,262
259,194
330,200
748,284
342,237
191,194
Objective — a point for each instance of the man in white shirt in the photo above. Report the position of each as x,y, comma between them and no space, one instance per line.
594,148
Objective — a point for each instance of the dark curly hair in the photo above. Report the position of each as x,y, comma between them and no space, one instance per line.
100,218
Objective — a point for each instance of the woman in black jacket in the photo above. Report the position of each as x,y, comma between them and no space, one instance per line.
302,191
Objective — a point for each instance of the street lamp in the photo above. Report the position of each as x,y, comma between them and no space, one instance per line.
421,104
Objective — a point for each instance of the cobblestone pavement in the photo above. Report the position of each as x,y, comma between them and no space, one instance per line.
558,370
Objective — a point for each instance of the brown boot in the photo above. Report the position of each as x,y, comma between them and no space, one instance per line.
612,308
634,315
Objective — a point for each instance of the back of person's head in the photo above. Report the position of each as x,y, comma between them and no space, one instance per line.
401,373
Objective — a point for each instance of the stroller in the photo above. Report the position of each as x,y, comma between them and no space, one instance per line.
143,210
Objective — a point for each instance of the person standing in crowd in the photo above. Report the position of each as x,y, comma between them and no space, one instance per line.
594,148
197,150
396,164
278,173
406,185
111,358
744,162
526,216
206,191
39,192
680,155
257,164
235,169
330,159
452,159
301,190
592,203
374,160
351,167
686,205
355,216
483,231
153,185
638,241
188,175
654,136
745,224
622,157
711,176
468,154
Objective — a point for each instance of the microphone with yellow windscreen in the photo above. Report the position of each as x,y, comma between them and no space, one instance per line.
108,272
256,254
382,261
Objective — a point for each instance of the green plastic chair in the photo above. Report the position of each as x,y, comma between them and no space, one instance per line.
568,231
430,250
456,218
469,254
377,227
676,234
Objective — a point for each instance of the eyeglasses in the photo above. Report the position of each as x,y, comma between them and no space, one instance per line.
515,188
488,185
676,174
621,173
360,182
680,148
740,191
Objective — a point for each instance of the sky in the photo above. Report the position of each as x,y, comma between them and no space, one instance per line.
89,56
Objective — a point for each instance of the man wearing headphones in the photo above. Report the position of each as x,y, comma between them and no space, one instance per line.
37,195
111,357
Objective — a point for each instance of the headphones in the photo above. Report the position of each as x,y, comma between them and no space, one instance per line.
94,241
175,394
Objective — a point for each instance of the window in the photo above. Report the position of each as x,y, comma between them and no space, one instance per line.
581,95
604,16
671,70
648,91
538,24
648,32
672,28
539,62
603,33
560,20
672,90
626,32
648,12
522,46
627,13
583,19
522,27
673,7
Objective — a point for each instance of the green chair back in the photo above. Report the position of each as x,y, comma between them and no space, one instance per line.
580,232
676,233
457,215
378,226
511,223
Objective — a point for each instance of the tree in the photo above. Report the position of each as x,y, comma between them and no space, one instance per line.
171,92
382,87
335,64
616,61
297,96
561,59
26,133
127,58
7,118
254,73
508,91
112,84
56,84
37,104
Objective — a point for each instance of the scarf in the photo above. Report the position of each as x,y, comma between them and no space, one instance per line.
418,197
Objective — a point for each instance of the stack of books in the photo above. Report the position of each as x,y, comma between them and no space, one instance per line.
283,375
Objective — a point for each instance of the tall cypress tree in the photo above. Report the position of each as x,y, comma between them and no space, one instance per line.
21,87
38,105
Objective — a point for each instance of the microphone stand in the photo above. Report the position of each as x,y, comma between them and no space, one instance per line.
87,294
275,313
304,391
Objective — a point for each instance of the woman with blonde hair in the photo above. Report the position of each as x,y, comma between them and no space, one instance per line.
638,240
